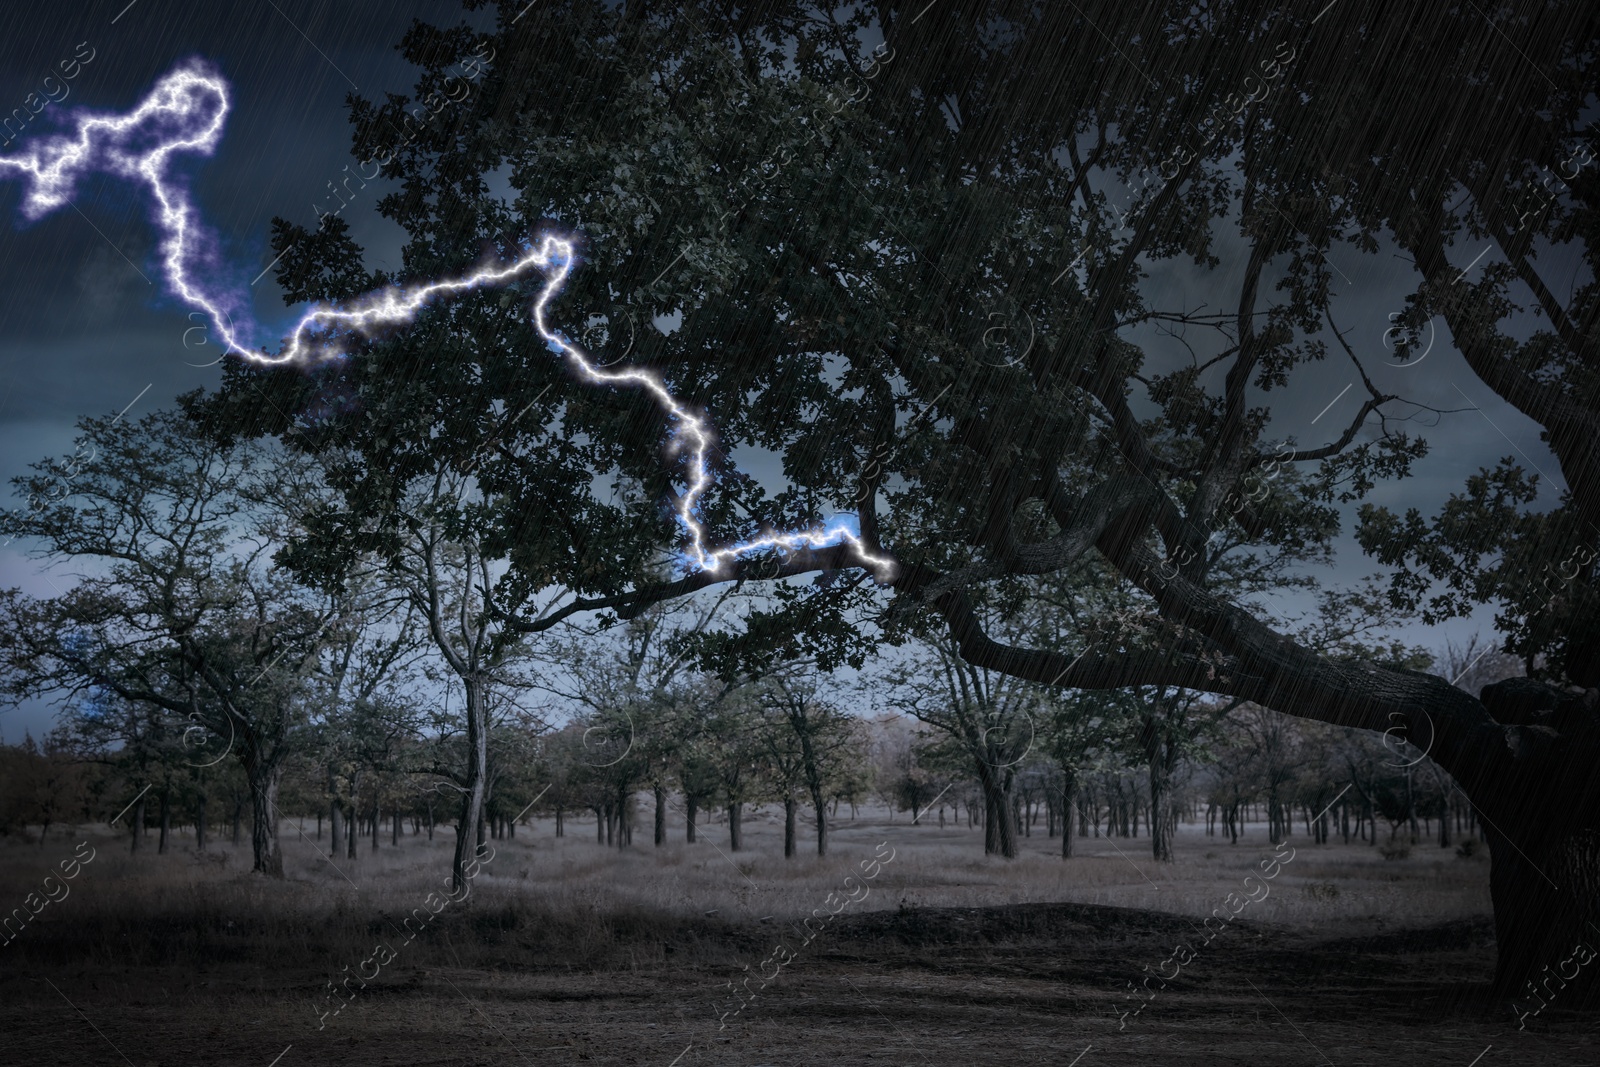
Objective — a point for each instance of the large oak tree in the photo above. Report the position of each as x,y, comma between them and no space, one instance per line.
840,237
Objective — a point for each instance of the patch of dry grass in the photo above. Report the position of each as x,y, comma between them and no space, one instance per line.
572,900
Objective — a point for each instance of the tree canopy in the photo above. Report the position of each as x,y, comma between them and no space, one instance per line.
883,245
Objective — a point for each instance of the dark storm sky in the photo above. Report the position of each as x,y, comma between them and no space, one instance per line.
85,324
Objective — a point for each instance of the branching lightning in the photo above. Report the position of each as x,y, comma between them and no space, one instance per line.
185,112
555,255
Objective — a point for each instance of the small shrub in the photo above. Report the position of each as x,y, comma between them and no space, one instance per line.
1394,852
1467,849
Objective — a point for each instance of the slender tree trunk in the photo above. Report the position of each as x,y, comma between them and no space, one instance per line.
352,825
1161,758
476,785
691,804
819,804
200,825
136,824
661,814
394,831
624,821
788,826
166,821
1069,789
735,826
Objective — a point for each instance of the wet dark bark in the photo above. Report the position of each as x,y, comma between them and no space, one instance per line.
1542,822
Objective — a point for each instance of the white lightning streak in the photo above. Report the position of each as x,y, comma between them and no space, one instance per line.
554,256
185,112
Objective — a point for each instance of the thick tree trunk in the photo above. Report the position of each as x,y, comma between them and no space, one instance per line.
788,827
691,804
735,827
661,814
1541,818
999,828
1545,888
335,825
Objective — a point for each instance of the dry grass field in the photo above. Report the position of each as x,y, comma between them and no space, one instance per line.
570,952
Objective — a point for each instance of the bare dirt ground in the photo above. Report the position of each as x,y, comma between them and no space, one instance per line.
569,952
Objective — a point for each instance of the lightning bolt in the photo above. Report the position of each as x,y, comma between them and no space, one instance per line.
185,113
